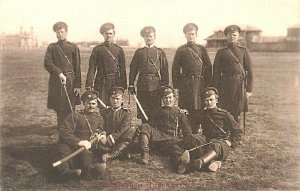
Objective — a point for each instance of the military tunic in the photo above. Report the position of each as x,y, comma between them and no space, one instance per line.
233,77
191,73
151,67
169,130
117,123
106,69
55,63
76,127
219,124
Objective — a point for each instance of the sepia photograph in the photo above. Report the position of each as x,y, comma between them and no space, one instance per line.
149,95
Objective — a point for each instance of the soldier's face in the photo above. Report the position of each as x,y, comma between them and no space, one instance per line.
149,39
61,34
91,105
233,37
116,101
211,102
169,100
109,35
191,36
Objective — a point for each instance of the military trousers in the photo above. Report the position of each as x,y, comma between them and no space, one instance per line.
83,160
159,141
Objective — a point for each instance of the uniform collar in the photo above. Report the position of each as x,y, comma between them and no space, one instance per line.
146,46
211,110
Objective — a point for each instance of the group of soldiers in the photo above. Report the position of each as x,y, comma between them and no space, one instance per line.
196,135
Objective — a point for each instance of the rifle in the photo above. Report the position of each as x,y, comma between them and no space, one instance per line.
94,138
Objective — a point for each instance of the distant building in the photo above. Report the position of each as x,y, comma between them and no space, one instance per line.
290,43
218,39
22,40
250,37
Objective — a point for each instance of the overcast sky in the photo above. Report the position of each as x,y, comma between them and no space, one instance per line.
130,16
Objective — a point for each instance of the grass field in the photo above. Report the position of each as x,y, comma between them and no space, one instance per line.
268,159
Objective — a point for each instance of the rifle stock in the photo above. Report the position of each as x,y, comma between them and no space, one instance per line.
95,138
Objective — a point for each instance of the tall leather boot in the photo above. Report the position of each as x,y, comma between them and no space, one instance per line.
144,144
116,151
207,158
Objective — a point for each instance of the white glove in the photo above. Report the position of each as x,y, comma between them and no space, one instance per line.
248,94
63,79
86,144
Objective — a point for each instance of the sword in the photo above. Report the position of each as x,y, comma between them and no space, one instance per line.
138,103
102,103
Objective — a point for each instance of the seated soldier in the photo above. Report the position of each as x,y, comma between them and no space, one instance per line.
221,131
168,127
76,131
117,124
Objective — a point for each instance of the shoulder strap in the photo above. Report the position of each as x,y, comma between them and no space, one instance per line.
114,59
154,64
215,124
65,56
237,61
197,56
89,126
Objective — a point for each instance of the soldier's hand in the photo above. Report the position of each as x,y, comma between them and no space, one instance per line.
63,79
77,91
102,139
88,88
86,144
248,94
131,89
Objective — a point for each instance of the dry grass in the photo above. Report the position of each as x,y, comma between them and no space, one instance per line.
268,159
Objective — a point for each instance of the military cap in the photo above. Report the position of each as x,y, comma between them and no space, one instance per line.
232,28
60,25
116,91
89,95
190,27
209,91
166,90
147,30
106,27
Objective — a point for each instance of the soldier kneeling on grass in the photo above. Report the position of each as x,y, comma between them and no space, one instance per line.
76,131
168,127
117,124
222,133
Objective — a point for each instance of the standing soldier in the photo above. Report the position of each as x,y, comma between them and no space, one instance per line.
62,61
117,124
151,64
191,72
107,63
232,74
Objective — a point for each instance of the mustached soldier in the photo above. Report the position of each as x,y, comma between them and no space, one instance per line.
151,65
76,131
232,74
62,61
106,65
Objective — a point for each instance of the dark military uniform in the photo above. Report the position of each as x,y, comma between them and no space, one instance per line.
152,66
107,62
191,73
170,133
233,77
117,124
76,127
218,124
62,57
